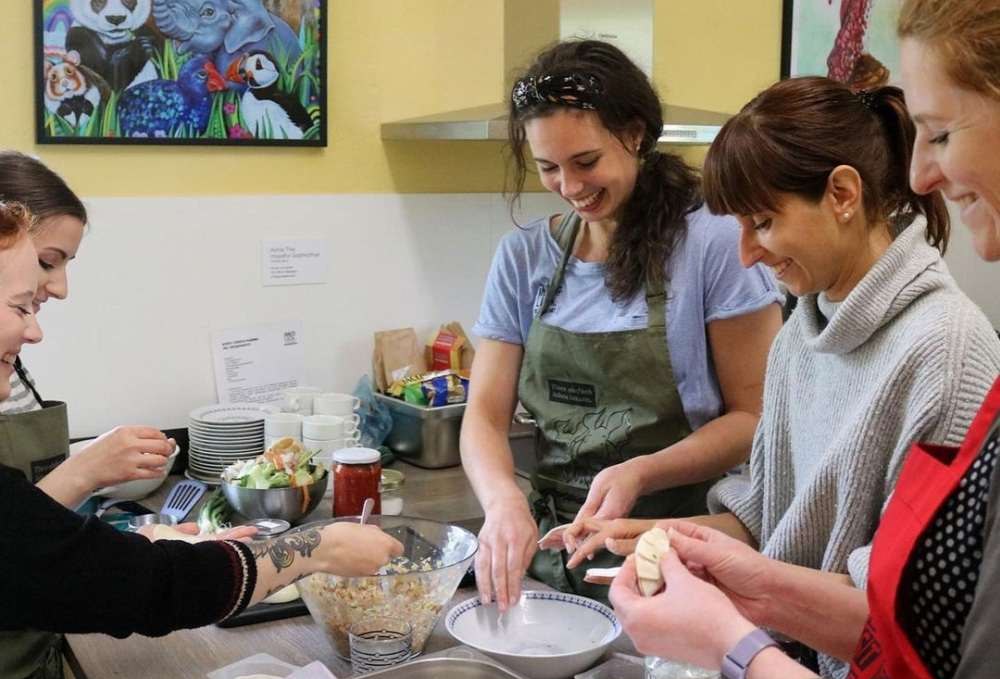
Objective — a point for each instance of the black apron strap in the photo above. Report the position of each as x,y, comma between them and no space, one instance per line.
565,236
23,374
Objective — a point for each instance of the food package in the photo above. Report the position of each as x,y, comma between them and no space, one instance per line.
450,349
397,355
446,389
438,388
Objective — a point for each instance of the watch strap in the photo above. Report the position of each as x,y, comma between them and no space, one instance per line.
736,662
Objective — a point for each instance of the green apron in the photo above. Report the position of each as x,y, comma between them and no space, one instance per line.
598,399
34,442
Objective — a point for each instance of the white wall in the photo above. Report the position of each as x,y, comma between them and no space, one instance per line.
156,276
980,280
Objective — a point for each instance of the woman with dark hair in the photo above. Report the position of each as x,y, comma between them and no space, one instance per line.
625,326
63,573
35,431
883,349
59,222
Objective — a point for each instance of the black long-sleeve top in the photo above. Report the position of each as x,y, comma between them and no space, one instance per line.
60,572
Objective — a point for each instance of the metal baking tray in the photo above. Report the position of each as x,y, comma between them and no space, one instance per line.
452,668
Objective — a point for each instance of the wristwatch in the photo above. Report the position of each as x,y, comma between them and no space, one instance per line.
736,662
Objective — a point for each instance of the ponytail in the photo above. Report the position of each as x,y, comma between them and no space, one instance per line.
901,202
653,220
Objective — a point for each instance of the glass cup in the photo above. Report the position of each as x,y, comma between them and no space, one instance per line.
663,668
378,642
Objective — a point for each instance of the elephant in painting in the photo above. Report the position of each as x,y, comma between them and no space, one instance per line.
226,29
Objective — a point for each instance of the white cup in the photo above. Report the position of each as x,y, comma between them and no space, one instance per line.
331,403
319,446
328,446
328,427
299,399
280,425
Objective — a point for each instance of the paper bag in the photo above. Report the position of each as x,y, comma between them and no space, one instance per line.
397,354
450,349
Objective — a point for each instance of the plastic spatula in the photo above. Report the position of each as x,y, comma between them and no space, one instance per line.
182,499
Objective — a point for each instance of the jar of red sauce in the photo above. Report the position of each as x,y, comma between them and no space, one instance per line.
356,476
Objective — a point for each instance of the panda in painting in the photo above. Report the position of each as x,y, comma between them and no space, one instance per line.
112,39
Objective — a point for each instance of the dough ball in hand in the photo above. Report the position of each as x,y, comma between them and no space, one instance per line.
652,545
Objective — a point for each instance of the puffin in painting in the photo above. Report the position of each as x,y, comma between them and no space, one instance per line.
268,112
160,108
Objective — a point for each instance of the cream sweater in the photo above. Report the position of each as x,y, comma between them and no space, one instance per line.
906,357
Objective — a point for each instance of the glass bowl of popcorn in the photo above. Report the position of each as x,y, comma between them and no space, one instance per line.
414,587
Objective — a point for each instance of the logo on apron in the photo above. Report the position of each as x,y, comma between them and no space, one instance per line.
573,393
869,650
40,468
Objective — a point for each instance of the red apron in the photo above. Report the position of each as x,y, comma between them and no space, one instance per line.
929,477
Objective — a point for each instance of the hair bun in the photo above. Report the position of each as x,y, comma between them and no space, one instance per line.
868,74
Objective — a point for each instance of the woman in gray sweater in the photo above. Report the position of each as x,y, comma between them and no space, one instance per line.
883,349
930,609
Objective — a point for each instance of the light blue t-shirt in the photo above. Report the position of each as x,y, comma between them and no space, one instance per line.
708,283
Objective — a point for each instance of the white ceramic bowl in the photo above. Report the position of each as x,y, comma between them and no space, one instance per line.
130,490
547,635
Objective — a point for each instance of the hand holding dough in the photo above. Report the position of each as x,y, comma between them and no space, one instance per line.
652,545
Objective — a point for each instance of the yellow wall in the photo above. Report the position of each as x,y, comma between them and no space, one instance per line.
392,59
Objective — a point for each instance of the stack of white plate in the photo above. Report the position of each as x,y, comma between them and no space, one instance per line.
222,434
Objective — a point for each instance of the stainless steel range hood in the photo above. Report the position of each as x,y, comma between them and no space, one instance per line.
682,125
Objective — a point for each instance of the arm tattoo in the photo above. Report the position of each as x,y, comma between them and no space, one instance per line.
282,550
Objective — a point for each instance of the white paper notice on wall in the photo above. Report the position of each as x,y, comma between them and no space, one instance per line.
255,363
293,262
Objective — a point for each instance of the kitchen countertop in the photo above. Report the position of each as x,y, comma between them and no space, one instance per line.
441,494
191,654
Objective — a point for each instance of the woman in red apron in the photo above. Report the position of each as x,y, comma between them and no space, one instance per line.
934,575
935,569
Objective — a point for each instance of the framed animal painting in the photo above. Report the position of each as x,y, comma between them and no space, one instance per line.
215,72
847,40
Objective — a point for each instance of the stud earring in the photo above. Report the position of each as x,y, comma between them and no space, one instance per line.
847,215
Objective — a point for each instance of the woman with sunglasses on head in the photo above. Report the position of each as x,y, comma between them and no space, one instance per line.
625,325
934,573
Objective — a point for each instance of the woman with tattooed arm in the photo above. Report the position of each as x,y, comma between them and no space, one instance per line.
64,573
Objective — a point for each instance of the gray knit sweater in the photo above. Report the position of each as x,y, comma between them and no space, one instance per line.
906,357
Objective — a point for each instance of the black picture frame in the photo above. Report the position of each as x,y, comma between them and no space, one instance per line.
787,21
88,108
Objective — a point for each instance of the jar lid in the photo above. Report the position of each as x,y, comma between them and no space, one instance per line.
392,479
356,456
